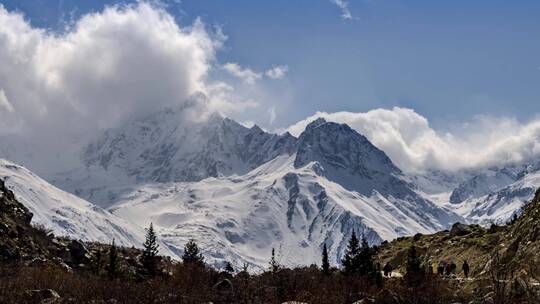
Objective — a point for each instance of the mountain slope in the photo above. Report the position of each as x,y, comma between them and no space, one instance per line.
494,195
513,248
294,210
292,203
66,214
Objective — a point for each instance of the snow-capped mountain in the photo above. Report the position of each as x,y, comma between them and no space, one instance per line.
295,210
336,181
485,182
68,215
169,146
496,194
241,191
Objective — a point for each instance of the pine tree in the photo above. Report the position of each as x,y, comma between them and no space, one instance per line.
149,257
325,263
98,262
414,275
192,253
365,261
350,261
229,268
274,265
112,267
413,262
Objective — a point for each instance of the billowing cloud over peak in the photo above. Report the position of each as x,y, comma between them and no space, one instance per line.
414,145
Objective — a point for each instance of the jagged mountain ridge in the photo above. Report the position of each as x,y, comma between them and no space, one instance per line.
169,146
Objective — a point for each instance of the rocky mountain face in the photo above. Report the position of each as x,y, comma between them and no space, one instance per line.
486,182
170,146
347,157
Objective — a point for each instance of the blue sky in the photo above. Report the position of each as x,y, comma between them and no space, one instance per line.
448,60
435,84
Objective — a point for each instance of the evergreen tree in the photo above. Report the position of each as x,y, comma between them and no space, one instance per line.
229,268
274,265
325,263
149,257
365,263
112,267
98,262
414,265
350,261
192,253
415,274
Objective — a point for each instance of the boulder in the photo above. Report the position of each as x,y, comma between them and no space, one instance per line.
79,252
459,229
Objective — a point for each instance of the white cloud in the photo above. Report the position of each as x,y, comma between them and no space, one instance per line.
104,69
344,7
277,72
413,145
109,67
245,74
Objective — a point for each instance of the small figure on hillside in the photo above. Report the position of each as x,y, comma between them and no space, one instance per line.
465,268
440,269
387,269
448,269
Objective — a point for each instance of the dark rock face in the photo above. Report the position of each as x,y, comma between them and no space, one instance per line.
349,159
16,234
79,252
20,242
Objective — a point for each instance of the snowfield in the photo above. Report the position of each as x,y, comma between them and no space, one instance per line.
67,215
241,218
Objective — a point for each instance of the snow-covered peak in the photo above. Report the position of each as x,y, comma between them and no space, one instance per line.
167,146
316,123
347,158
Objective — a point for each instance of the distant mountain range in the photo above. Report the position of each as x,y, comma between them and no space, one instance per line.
240,191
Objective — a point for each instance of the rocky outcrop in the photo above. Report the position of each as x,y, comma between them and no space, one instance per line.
459,229
34,246
18,239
